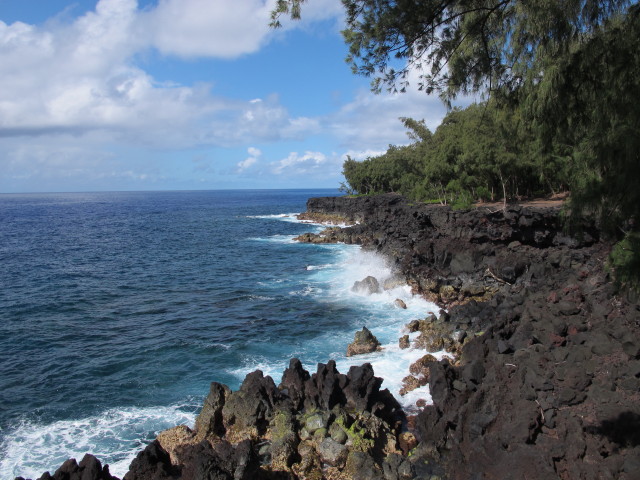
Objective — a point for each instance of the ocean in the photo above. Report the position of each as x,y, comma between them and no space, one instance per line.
118,309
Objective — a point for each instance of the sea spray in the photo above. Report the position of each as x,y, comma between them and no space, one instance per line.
114,436
331,285
139,300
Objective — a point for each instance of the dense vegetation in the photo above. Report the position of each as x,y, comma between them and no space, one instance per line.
562,79
480,153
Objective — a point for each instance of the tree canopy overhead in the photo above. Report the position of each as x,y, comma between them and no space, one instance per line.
462,46
568,70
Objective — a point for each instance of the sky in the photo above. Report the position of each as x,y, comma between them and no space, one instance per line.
117,95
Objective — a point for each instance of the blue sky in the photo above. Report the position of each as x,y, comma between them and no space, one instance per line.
184,94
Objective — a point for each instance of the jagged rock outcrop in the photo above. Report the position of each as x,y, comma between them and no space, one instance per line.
310,426
363,342
89,468
547,372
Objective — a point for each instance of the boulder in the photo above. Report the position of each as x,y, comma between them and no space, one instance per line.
284,441
364,342
421,366
325,388
410,383
362,388
400,303
398,467
175,437
332,452
362,466
368,286
393,282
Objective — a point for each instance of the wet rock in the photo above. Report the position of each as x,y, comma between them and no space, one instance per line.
393,282
404,342
413,326
421,366
410,383
400,303
369,285
364,342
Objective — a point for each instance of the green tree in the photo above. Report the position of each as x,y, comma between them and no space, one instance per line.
572,67
462,46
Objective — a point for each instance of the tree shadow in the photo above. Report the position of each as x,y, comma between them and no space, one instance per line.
624,430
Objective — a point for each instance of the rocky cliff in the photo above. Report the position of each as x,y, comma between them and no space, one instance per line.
545,383
548,383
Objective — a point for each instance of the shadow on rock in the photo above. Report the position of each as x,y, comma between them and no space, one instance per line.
624,430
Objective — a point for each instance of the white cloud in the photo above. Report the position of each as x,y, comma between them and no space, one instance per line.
77,88
251,160
372,121
259,119
80,76
362,154
207,28
296,164
254,152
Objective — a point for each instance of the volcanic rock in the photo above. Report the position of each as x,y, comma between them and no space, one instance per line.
368,286
364,342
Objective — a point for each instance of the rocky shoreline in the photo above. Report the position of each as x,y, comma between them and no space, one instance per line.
544,381
547,383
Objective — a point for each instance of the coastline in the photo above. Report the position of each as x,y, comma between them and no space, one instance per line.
549,387
528,298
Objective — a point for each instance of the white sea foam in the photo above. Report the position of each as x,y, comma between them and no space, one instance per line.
261,297
332,283
385,320
320,267
306,291
293,218
275,239
114,437
286,217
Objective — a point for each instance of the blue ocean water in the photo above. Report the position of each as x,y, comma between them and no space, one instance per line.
118,309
